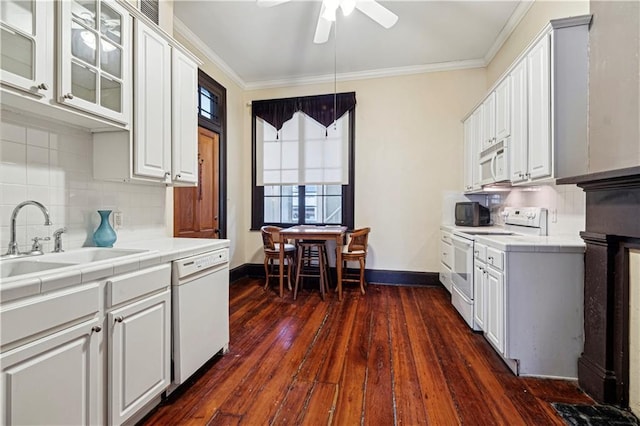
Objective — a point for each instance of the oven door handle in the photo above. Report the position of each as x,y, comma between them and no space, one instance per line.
462,242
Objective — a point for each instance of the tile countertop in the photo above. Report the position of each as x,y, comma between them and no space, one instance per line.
161,250
491,228
533,243
522,243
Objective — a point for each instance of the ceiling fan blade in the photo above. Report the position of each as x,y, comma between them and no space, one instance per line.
270,3
323,28
377,12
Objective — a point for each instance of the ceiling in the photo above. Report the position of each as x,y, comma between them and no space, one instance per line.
266,47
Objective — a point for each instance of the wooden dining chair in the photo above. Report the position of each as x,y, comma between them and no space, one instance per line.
355,251
271,234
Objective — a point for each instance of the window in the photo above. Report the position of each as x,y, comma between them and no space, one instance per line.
208,104
303,165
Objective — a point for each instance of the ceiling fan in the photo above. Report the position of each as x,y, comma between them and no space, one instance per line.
371,8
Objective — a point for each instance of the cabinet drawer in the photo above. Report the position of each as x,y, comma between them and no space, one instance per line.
446,254
34,316
495,258
445,237
130,286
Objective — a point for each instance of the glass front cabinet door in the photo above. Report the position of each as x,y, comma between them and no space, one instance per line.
26,40
94,68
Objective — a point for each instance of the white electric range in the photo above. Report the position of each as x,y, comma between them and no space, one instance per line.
518,222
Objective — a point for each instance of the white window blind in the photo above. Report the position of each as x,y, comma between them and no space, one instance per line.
303,152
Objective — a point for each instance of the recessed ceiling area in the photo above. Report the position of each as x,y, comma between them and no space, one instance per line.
267,46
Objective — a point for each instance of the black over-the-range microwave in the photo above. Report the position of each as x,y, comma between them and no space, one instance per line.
472,213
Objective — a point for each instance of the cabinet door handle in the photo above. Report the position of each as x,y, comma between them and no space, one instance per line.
43,86
68,96
178,176
490,258
119,319
96,329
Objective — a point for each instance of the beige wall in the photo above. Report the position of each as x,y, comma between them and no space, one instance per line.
539,15
614,85
408,151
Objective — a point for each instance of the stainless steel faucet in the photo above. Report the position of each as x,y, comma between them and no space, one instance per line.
13,245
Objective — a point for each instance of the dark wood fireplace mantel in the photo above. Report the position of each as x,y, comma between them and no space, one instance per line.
612,228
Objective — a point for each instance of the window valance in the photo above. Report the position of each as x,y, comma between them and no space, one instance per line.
321,108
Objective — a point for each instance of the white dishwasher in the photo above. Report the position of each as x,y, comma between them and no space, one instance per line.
200,304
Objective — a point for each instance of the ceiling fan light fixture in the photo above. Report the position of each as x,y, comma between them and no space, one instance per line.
347,6
330,8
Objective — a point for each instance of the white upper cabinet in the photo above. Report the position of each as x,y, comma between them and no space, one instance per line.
467,125
539,107
539,110
162,146
184,119
472,145
152,109
488,121
503,110
520,135
94,48
27,41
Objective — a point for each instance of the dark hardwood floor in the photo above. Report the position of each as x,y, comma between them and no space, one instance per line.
395,356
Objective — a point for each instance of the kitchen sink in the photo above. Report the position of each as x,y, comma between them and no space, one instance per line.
21,266
92,254
17,267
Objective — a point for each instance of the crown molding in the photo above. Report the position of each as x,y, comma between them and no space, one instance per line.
180,28
363,75
517,15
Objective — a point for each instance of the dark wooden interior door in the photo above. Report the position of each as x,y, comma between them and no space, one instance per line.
196,210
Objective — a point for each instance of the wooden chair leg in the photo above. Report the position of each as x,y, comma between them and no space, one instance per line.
362,275
322,272
326,264
300,255
289,260
266,272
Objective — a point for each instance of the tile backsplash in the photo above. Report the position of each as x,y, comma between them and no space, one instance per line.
53,164
565,205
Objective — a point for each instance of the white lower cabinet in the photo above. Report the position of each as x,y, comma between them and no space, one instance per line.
53,380
50,358
479,290
446,256
138,325
533,307
58,363
139,354
495,313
